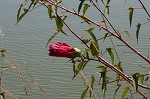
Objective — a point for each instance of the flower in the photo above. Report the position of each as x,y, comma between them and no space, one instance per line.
61,49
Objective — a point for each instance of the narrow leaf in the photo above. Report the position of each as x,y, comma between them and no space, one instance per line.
22,15
106,35
80,5
52,37
59,22
137,31
111,54
117,78
86,6
102,68
19,12
107,3
142,78
94,48
118,86
127,33
92,34
50,11
125,91
130,14
136,78
84,93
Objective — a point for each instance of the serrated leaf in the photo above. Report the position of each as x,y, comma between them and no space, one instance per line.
111,54
94,48
84,93
125,91
130,14
136,78
86,6
127,33
80,5
137,31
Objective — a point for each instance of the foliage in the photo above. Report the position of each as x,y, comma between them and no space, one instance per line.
93,51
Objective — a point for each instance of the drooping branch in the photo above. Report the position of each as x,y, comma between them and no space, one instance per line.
115,33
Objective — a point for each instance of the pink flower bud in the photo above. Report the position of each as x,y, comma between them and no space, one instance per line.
61,49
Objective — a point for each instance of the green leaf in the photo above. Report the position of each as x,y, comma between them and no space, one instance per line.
130,14
84,64
142,78
119,66
106,35
125,91
85,20
102,68
136,78
127,33
107,3
92,79
86,40
50,11
103,78
84,93
118,86
18,14
2,52
79,67
94,48
111,54
80,5
102,1
137,31
59,22
22,15
3,68
92,34
52,37
86,6
117,78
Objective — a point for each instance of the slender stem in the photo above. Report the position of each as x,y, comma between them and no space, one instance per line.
144,8
128,79
112,33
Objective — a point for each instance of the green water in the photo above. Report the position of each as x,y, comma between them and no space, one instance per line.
26,41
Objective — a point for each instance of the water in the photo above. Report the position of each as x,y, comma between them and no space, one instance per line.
26,41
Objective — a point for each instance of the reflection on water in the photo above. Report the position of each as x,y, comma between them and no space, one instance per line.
26,43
